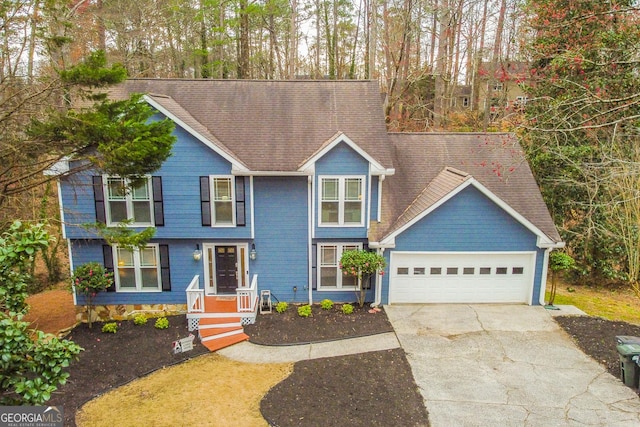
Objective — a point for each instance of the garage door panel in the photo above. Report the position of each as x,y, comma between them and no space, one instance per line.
461,277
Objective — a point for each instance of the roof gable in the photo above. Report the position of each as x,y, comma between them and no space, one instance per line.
182,118
427,165
376,167
274,126
449,183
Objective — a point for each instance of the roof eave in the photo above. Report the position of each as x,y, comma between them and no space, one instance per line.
235,163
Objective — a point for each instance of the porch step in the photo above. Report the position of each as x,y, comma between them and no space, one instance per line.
226,341
213,333
220,325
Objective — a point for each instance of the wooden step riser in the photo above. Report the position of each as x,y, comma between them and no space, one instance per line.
222,335
221,326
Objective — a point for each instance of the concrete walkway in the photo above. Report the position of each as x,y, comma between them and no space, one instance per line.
253,353
506,365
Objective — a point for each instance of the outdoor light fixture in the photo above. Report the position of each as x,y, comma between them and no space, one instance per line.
197,254
253,252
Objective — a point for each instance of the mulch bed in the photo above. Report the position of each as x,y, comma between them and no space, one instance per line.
368,389
112,360
323,325
375,388
597,337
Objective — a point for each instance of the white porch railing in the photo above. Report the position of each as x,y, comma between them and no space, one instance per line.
248,296
195,296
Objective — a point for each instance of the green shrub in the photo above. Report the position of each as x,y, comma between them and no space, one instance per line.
326,304
281,307
111,328
140,319
304,311
347,308
162,323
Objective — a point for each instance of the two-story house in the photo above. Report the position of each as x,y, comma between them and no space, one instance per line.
270,181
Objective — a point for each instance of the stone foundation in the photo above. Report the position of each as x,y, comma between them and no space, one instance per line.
102,313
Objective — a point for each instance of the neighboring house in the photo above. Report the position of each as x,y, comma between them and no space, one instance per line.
507,94
270,181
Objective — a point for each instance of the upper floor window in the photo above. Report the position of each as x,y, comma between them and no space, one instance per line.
222,195
124,202
137,270
222,198
222,201
341,201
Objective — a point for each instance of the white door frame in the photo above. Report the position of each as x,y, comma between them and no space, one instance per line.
242,263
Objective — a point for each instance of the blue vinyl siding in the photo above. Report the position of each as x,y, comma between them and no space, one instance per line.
180,174
341,160
181,264
468,222
281,236
181,191
78,204
342,296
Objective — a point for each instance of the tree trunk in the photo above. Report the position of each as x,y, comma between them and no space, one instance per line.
475,85
243,42
495,59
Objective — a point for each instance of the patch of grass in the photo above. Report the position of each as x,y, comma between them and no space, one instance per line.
612,304
169,397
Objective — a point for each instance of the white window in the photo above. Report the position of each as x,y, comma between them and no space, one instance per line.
222,197
126,203
330,276
137,270
342,201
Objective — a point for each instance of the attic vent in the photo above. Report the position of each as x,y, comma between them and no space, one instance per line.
456,171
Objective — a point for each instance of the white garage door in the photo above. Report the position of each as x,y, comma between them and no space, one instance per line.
468,277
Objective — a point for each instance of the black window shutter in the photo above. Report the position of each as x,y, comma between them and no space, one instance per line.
240,203
314,267
158,205
165,274
98,198
107,253
205,201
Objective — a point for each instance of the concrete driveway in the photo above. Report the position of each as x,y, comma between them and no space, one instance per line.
506,365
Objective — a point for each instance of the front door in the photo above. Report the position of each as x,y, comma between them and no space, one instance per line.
226,266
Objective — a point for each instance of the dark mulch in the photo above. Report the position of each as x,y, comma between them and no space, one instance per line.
111,360
375,388
597,338
324,325
368,389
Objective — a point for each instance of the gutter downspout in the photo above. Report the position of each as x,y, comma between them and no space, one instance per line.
545,268
310,236
378,284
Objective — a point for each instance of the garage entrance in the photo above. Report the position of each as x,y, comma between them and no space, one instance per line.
461,277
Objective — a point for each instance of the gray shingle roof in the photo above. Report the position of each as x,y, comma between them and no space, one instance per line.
277,125
424,174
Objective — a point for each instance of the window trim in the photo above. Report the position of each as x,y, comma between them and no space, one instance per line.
128,202
137,270
212,190
340,249
342,200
